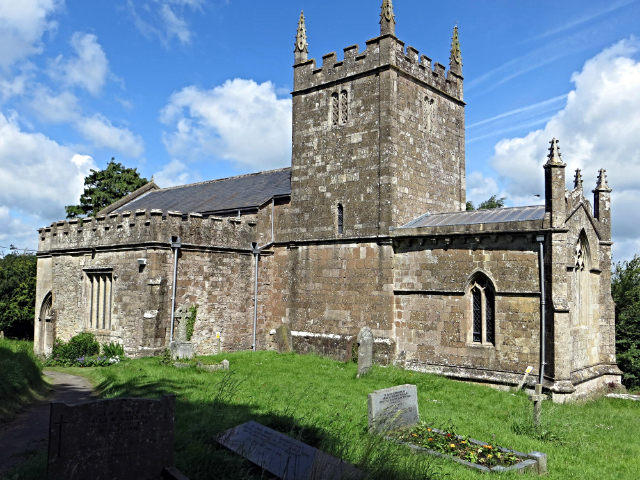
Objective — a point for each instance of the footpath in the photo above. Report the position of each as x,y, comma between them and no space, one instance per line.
28,432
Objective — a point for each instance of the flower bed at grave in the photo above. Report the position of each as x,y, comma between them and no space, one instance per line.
456,446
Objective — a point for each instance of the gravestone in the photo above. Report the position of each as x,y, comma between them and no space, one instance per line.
284,339
365,350
224,365
181,350
283,456
393,408
122,438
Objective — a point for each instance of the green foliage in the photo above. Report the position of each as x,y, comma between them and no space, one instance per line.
112,349
625,290
17,295
20,376
82,345
493,202
191,321
105,187
166,358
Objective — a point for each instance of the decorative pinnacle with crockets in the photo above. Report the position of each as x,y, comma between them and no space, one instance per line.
387,18
577,180
301,36
602,181
456,54
554,153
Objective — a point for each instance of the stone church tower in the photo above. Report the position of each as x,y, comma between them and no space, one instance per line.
378,137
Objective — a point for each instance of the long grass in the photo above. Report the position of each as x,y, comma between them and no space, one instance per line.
21,379
321,402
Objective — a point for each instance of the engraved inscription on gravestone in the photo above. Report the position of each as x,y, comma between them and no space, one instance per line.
284,456
393,407
124,439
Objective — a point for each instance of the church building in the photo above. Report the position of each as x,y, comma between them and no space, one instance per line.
368,227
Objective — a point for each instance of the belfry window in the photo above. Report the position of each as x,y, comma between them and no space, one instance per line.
99,303
340,219
339,108
483,306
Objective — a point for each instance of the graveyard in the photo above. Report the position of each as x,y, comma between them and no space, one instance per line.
323,405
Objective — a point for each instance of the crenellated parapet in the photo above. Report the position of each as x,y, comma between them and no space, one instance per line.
144,227
381,52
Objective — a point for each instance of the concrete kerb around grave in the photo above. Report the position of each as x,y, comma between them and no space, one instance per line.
224,365
535,462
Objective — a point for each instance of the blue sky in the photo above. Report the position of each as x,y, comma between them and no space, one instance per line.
190,90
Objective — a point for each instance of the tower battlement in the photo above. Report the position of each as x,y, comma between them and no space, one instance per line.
147,227
382,52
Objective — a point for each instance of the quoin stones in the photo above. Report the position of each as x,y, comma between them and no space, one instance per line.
125,438
392,408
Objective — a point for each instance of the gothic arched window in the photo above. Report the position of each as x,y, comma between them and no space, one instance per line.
344,107
483,308
340,219
339,108
582,282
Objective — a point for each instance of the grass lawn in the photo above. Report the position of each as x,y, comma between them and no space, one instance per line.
321,402
21,379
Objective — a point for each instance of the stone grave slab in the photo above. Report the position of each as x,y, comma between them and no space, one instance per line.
181,350
284,339
365,350
285,457
392,408
122,438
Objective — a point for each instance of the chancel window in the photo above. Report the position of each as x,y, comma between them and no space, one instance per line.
483,306
100,289
340,219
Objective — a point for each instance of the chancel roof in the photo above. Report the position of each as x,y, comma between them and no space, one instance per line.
493,215
215,196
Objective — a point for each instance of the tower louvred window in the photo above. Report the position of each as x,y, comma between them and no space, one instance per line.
344,107
335,109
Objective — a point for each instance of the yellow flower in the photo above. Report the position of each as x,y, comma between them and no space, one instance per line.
430,439
414,434
453,445
428,429
489,456
463,441
489,447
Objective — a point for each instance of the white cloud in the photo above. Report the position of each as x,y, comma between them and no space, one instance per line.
38,176
16,231
88,69
99,130
164,19
597,128
22,25
172,174
55,108
240,121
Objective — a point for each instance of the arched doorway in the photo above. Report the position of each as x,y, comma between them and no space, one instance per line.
46,325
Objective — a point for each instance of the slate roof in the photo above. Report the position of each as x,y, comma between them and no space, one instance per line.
494,215
234,193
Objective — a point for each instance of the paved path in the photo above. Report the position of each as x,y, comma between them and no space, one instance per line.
28,431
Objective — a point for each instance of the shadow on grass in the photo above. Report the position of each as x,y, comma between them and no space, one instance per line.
203,414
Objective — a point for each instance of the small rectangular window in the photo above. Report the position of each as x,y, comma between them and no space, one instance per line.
101,284
340,219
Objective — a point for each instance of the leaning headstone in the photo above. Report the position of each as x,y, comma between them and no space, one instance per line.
283,456
123,438
181,350
284,339
393,408
365,350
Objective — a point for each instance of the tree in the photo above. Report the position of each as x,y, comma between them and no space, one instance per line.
17,294
104,187
493,202
625,289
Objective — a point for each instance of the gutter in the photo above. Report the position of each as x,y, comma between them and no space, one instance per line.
175,245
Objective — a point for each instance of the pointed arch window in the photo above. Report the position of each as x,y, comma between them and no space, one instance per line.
335,109
340,219
344,107
483,307
582,282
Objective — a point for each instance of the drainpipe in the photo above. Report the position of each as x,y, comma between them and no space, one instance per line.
540,240
175,245
255,249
